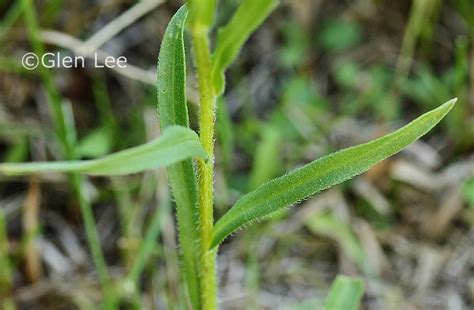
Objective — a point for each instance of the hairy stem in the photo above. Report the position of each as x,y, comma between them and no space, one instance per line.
206,169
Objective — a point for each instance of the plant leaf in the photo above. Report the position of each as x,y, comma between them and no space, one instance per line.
175,144
266,162
5,262
322,174
172,110
97,143
232,36
329,225
171,79
345,293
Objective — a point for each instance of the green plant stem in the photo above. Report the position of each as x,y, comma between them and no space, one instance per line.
93,239
206,169
148,245
65,138
10,18
5,264
419,15
6,271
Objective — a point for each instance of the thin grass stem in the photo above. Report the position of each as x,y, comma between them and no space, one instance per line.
66,140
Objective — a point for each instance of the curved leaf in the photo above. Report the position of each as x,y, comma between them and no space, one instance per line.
232,37
172,110
322,174
175,144
345,293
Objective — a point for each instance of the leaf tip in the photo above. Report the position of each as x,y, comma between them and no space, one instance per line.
450,104
444,109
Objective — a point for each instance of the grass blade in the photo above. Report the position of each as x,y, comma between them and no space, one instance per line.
322,174
5,263
6,274
10,18
267,160
64,131
345,293
175,144
330,226
232,37
172,110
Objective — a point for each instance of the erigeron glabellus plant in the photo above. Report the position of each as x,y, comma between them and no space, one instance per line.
189,157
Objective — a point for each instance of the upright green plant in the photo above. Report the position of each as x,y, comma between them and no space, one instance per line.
190,159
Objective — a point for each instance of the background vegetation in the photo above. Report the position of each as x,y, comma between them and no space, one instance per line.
318,76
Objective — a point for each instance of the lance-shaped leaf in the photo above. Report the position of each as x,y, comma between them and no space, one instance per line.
231,37
322,174
172,110
174,145
345,293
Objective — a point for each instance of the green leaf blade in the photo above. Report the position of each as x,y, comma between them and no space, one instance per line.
345,293
330,226
173,110
232,37
171,78
174,145
322,174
